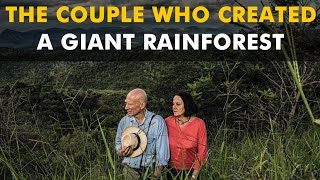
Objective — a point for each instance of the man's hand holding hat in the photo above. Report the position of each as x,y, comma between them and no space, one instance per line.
134,142
125,151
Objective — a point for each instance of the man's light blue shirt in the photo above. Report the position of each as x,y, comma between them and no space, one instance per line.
158,144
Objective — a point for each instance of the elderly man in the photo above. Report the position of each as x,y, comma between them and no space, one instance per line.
157,149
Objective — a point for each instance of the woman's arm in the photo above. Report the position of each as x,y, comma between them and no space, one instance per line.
202,147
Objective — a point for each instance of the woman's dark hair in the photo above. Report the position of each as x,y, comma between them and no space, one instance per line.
189,105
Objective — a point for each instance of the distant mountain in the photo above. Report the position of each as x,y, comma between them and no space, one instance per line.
10,37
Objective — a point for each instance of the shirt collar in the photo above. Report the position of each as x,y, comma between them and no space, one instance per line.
133,119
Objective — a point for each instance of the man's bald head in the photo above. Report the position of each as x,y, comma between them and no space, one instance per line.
136,102
138,95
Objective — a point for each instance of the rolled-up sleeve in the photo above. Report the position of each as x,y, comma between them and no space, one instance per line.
162,143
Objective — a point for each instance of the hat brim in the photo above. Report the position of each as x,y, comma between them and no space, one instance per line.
142,136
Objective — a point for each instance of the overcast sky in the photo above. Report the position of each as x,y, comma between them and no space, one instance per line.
108,2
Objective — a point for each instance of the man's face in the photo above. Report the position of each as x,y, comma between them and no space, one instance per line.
133,106
178,106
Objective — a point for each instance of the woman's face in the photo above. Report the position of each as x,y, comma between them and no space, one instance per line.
178,106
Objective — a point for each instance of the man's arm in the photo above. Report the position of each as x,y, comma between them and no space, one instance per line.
121,150
118,135
162,147
162,143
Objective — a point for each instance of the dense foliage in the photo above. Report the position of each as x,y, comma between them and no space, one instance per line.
51,109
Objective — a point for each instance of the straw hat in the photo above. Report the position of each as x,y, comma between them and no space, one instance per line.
136,138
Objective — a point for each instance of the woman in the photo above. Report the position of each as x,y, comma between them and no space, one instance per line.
187,138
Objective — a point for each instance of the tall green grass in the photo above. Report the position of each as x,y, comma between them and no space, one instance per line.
262,156
266,157
31,149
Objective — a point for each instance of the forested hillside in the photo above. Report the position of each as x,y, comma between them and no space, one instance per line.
56,107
